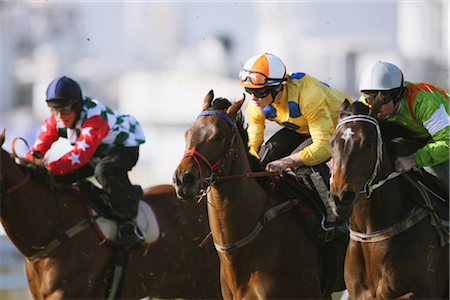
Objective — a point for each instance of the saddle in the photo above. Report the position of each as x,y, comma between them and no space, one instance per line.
110,227
110,224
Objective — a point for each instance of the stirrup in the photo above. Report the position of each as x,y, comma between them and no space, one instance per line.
136,230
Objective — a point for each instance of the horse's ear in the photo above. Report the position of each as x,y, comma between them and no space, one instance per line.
2,136
343,110
235,107
345,105
208,99
375,109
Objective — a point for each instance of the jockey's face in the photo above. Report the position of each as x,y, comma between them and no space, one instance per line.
262,102
386,99
66,115
262,97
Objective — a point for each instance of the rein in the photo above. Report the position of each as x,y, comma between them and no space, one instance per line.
369,186
246,175
18,185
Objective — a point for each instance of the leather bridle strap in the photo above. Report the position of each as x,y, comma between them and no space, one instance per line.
197,156
77,228
266,218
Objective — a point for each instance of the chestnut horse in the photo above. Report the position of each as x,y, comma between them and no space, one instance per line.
263,247
174,266
394,252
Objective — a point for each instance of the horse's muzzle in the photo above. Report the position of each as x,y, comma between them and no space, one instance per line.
343,203
187,185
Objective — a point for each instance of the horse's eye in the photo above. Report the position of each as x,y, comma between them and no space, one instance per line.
368,144
219,138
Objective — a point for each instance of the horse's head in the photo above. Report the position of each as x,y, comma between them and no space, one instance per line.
356,157
209,142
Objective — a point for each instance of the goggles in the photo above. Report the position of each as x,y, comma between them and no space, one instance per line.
260,93
62,111
385,96
256,77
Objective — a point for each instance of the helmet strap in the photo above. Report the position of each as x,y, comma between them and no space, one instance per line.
276,91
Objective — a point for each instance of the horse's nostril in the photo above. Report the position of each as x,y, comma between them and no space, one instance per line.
335,198
348,197
175,179
188,178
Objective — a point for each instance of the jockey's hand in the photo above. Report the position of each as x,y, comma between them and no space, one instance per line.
37,158
405,163
278,166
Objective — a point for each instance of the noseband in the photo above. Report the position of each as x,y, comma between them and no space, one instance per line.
369,187
216,167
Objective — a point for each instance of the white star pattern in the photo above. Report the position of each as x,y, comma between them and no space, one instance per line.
83,145
86,131
75,158
37,143
347,134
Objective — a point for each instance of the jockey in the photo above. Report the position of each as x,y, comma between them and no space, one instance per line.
106,144
421,107
305,107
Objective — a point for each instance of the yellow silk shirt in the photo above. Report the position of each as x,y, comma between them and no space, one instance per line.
307,106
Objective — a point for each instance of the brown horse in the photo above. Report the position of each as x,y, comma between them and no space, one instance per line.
394,252
80,267
258,259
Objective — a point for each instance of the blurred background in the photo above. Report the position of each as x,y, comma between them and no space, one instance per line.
157,61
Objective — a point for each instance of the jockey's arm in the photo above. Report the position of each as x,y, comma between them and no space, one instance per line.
47,136
435,152
94,130
321,129
256,127
432,110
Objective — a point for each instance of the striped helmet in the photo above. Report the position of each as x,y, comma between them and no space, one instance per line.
262,70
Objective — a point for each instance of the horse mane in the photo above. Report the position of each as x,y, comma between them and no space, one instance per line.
39,173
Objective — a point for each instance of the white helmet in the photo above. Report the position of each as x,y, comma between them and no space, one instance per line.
381,76
262,70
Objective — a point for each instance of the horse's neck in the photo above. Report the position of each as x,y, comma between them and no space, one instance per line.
387,204
28,213
235,206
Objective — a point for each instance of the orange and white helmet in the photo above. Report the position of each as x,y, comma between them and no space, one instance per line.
262,70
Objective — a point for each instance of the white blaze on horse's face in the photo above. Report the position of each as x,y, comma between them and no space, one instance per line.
347,134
